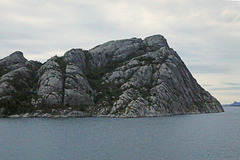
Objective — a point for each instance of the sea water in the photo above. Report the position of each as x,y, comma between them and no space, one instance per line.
183,137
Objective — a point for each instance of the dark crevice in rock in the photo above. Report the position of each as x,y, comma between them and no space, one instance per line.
62,68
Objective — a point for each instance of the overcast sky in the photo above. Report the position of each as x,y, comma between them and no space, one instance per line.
205,33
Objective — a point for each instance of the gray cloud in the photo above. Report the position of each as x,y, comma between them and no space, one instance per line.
226,88
204,33
207,85
230,93
208,69
233,84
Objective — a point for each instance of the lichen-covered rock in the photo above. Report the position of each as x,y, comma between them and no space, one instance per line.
155,42
62,80
77,57
157,83
50,82
114,50
50,87
12,81
18,84
77,89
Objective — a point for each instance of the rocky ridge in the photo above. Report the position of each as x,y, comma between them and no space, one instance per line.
122,78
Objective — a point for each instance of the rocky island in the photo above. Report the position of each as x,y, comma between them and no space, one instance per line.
235,104
123,78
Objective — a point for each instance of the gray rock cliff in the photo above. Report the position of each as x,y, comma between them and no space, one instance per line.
122,78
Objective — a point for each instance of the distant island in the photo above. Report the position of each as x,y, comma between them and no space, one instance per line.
235,104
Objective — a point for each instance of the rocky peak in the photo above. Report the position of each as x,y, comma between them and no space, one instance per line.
14,58
155,42
115,46
114,50
16,54
77,57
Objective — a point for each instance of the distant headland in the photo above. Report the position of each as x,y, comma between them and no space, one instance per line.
235,104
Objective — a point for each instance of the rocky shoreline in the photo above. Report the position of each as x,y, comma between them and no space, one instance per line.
48,115
80,114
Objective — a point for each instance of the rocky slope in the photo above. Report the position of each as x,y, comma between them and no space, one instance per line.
123,78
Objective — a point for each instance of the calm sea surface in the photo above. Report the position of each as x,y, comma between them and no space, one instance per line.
184,137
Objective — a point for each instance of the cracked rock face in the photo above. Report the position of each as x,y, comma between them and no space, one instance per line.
6,84
50,86
15,75
155,82
113,50
62,81
50,82
77,88
123,78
